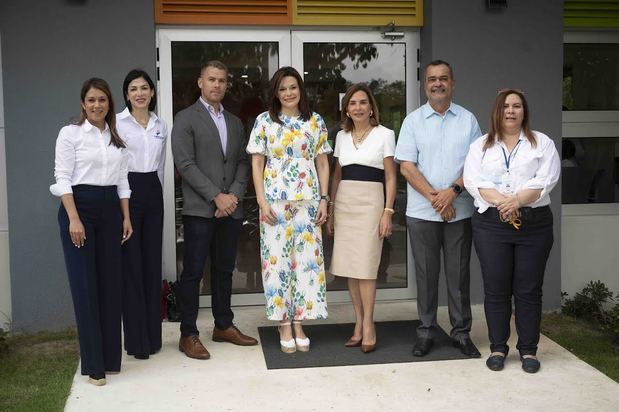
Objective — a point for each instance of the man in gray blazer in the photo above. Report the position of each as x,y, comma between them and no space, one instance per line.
208,144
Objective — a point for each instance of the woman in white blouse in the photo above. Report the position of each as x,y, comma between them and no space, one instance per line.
510,172
91,181
145,136
361,207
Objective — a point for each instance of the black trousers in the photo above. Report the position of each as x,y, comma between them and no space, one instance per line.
512,264
219,238
142,266
94,272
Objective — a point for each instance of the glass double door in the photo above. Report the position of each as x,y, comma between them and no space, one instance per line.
329,61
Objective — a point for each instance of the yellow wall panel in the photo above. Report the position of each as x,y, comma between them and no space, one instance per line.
358,13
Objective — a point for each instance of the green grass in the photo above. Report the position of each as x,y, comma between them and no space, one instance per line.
37,370
584,340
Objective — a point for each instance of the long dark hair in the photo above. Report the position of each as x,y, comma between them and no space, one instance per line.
347,123
275,106
136,74
496,131
110,117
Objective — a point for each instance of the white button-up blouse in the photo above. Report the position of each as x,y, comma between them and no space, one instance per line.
84,155
146,147
378,144
530,167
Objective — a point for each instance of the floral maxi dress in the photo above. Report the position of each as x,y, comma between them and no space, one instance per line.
293,273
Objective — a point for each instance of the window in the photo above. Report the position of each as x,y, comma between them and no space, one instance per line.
591,76
590,149
590,168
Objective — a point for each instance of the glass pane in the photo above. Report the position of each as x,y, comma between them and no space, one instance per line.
329,69
591,76
590,169
251,65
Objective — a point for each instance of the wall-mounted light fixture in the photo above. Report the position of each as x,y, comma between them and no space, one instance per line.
496,4
390,32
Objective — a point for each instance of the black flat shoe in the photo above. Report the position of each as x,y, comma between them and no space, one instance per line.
496,362
530,365
467,347
422,346
141,356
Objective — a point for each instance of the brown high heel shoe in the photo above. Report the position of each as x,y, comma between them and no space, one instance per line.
368,348
352,342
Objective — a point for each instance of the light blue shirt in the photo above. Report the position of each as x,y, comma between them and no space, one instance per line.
438,145
220,122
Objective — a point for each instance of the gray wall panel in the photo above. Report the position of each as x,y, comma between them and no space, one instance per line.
48,49
520,46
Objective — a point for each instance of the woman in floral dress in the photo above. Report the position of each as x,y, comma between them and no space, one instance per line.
290,169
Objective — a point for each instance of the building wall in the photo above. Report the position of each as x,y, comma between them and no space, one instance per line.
5,276
48,49
520,46
584,260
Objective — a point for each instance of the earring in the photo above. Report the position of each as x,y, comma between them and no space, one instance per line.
347,115
371,113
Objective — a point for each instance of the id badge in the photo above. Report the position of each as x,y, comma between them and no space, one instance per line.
507,183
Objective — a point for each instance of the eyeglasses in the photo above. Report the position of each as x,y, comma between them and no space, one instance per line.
509,89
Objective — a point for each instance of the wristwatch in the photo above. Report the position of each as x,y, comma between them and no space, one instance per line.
457,189
325,197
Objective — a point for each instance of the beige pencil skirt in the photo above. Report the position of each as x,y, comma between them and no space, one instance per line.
357,248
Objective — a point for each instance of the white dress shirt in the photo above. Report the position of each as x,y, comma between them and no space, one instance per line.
530,167
84,156
146,147
378,144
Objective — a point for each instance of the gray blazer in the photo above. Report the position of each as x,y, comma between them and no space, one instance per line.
201,162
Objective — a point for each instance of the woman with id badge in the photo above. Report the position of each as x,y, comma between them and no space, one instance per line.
510,172
145,136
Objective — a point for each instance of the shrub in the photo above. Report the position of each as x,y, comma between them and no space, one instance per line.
4,346
612,325
588,303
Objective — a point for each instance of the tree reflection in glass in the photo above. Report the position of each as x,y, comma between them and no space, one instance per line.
329,69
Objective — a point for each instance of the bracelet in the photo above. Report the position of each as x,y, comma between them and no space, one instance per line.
330,203
390,210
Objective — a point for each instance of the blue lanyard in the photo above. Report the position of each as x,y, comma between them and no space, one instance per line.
509,158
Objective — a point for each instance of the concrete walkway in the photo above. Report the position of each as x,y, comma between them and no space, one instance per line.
236,378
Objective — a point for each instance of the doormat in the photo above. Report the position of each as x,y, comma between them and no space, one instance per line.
395,340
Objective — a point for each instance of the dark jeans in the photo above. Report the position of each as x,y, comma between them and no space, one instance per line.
95,278
219,238
142,266
513,263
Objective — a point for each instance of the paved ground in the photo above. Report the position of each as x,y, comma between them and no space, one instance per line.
236,379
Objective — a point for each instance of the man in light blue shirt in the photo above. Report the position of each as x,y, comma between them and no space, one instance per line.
432,146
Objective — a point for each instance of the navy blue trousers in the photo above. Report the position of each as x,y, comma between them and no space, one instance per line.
142,266
95,278
219,238
513,264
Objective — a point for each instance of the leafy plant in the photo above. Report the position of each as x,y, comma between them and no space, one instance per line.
4,346
588,303
612,325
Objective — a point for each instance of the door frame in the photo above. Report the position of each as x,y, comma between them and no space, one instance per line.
290,41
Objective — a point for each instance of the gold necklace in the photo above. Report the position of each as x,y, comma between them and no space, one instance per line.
358,140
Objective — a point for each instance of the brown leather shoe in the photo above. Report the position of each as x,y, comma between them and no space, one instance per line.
233,335
192,347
